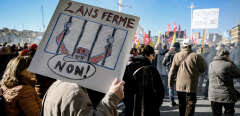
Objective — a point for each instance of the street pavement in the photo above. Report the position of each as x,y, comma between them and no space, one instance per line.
203,108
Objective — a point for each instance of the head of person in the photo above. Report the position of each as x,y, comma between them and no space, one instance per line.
25,45
16,72
187,44
13,48
32,49
24,52
223,53
158,46
134,52
176,45
5,44
165,46
5,50
148,52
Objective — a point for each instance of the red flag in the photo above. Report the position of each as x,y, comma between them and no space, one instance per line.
169,28
174,27
146,40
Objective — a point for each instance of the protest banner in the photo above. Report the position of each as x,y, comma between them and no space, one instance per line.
86,45
205,18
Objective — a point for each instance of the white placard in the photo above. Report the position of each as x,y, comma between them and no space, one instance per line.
86,45
205,18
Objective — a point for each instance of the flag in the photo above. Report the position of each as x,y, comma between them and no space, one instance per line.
159,38
174,27
179,30
169,29
146,40
136,41
174,35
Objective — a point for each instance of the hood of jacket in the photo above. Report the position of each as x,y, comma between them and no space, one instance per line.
142,59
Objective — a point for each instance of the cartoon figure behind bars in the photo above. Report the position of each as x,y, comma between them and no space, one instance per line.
61,36
81,53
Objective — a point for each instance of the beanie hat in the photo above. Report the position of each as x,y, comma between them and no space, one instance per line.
33,46
176,45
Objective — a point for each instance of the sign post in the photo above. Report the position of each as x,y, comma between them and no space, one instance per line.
203,40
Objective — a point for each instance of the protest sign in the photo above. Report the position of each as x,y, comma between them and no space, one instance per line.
86,45
205,18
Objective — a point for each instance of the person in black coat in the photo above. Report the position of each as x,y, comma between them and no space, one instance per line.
144,91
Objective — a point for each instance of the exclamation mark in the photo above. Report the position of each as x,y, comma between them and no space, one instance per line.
85,76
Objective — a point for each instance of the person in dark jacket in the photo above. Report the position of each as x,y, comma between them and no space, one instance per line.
159,66
144,91
167,62
221,88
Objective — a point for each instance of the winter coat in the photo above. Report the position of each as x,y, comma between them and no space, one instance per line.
21,100
130,85
158,62
168,59
142,79
149,93
221,86
188,66
70,99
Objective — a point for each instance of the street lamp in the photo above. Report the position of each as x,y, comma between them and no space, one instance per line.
120,6
192,6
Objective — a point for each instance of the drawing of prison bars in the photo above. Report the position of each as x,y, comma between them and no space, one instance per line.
81,53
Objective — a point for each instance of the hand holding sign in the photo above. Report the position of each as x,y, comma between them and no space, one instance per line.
117,88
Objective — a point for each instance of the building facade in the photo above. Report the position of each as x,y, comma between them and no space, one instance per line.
235,33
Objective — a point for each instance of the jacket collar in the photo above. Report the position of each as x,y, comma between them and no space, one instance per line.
141,59
220,58
189,50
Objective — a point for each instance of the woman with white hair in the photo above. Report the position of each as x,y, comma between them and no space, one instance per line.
222,93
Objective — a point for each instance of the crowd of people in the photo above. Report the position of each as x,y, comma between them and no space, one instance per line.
183,70
150,75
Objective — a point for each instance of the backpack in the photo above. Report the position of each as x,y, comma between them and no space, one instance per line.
2,104
167,61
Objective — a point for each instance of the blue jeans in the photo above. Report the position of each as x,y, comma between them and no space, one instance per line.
171,94
165,83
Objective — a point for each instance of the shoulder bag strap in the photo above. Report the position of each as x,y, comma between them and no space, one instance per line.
42,108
